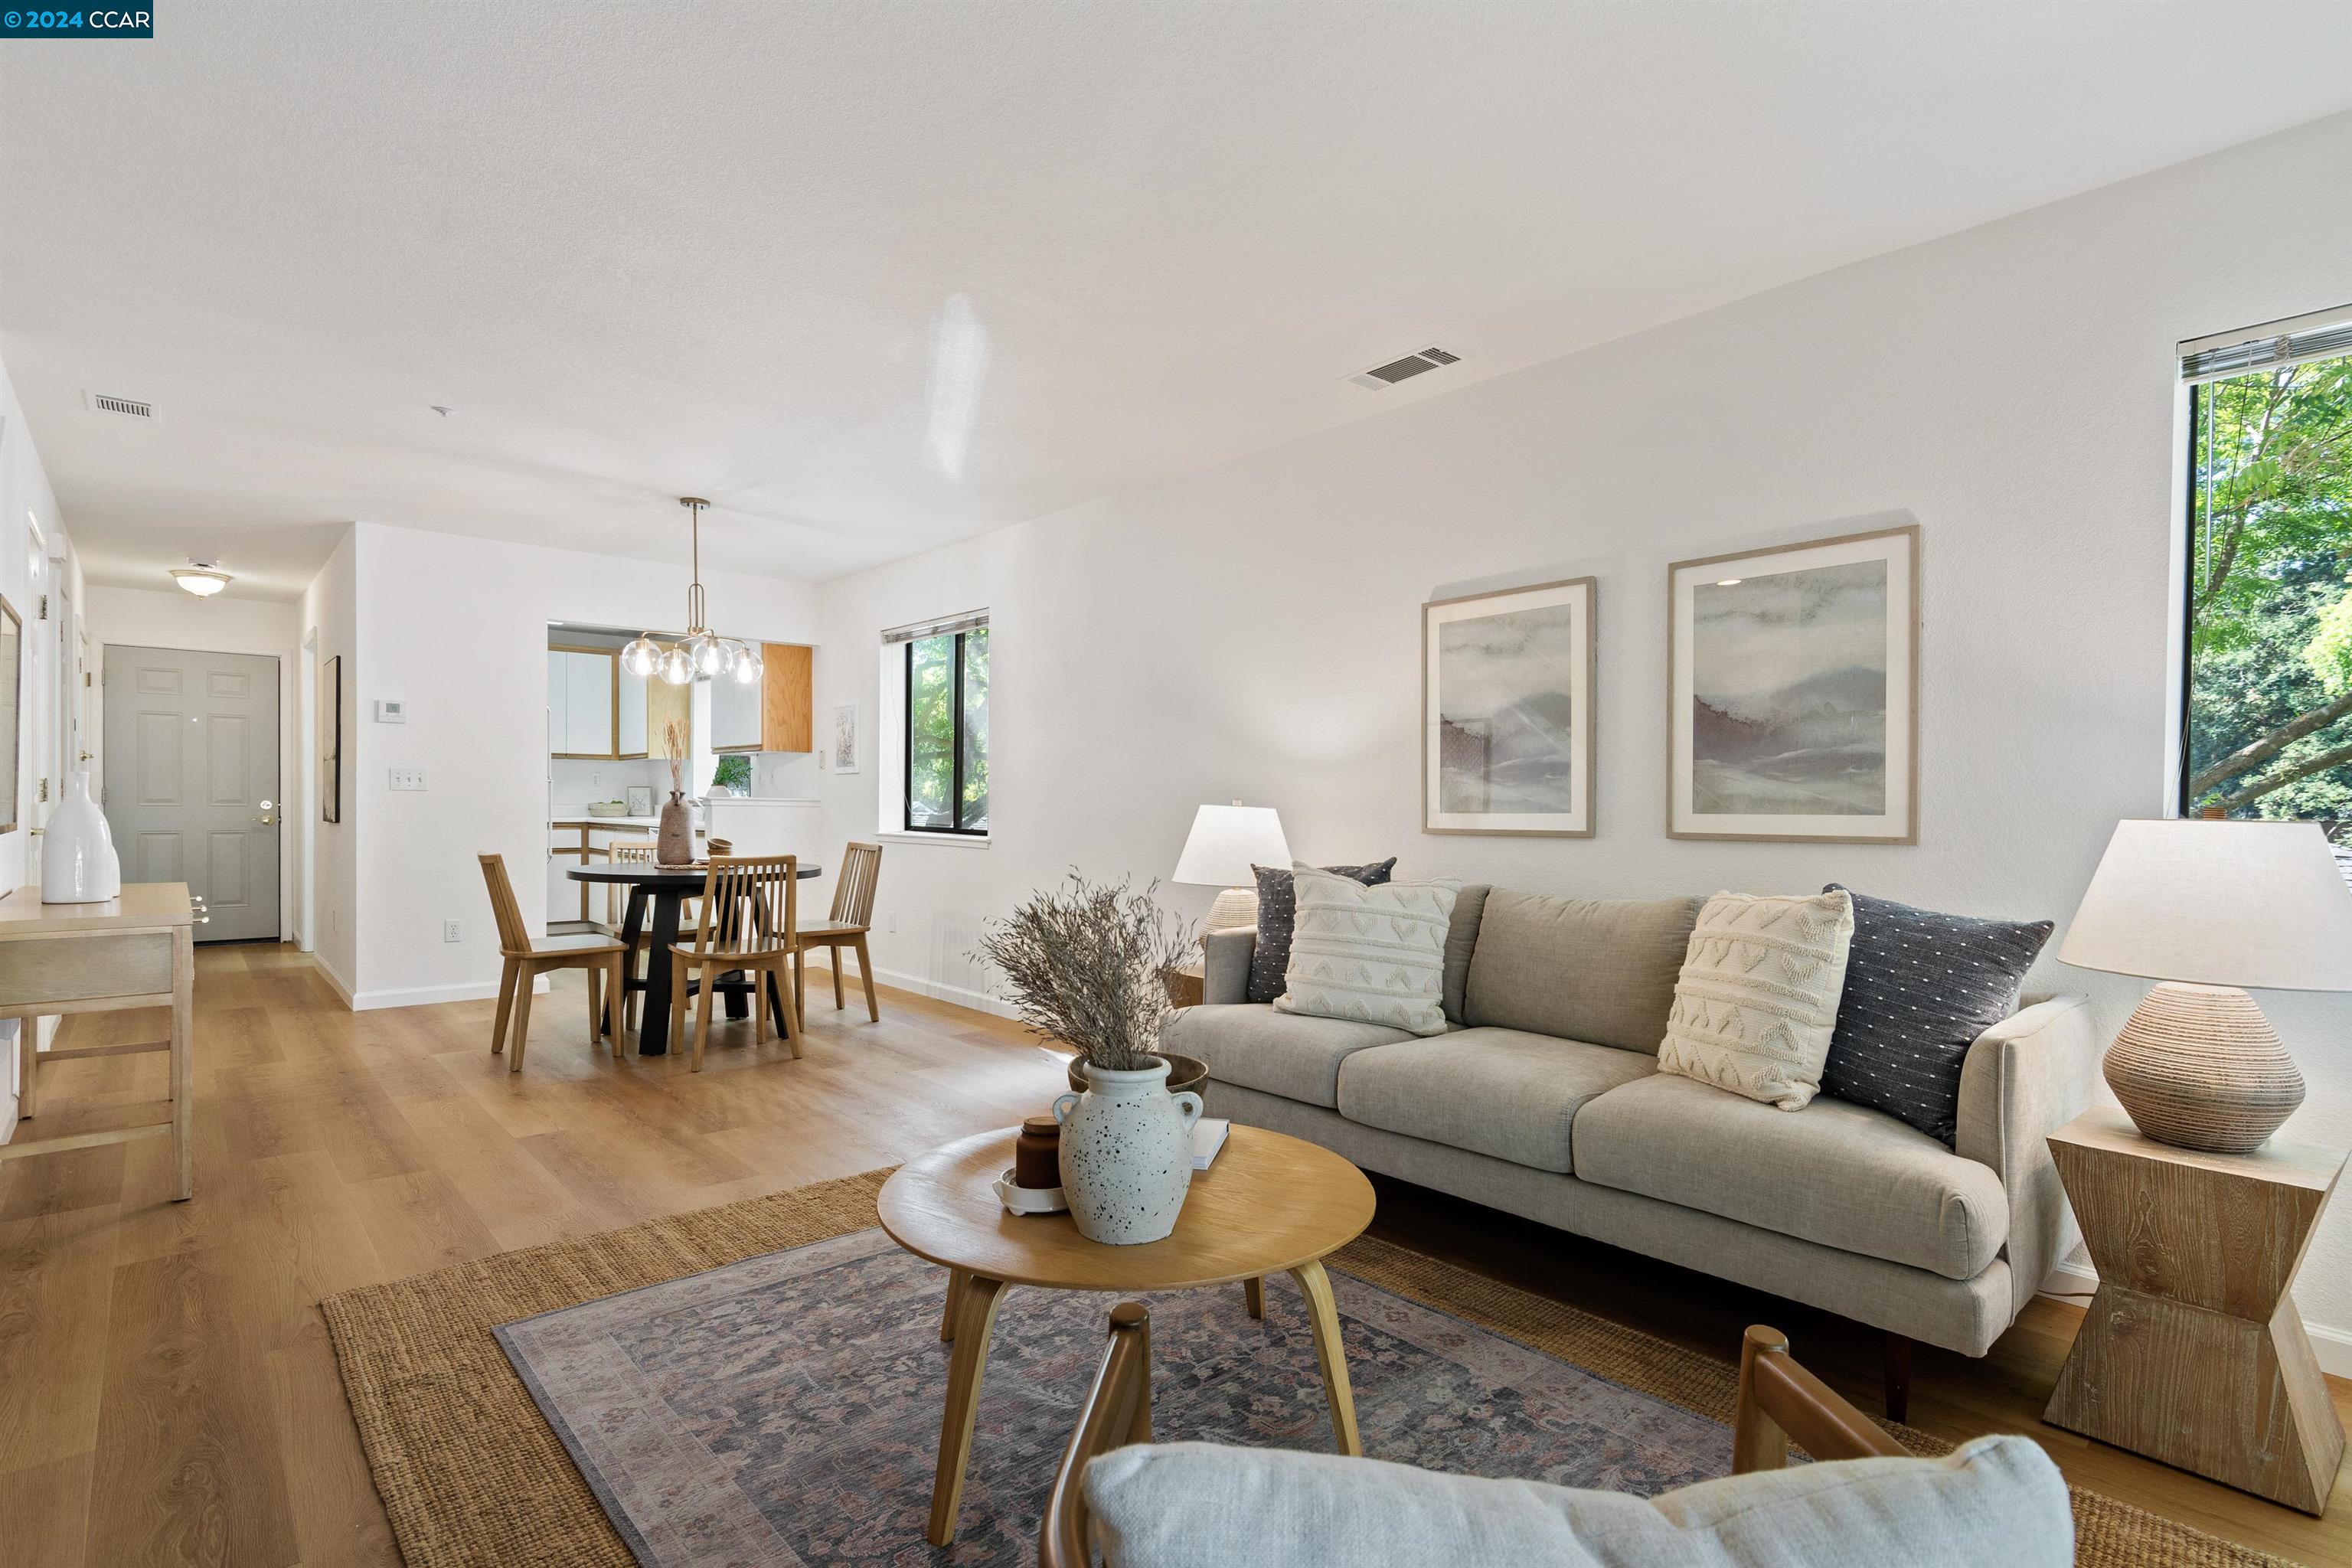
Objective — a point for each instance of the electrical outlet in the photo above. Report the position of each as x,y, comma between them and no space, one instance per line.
451,931
408,778
595,779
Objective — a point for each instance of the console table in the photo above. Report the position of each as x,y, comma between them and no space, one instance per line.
2193,1351
134,951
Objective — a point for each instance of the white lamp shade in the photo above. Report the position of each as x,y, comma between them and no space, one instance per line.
1227,841
2257,905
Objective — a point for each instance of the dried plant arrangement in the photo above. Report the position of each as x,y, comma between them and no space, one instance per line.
674,743
1085,965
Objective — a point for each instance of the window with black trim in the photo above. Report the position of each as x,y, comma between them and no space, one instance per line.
2266,721
946,749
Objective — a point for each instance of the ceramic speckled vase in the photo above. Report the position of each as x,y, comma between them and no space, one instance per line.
1127,1154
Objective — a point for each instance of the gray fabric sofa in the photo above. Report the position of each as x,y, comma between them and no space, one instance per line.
1543,1099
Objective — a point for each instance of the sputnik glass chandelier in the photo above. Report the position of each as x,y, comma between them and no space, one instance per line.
701,654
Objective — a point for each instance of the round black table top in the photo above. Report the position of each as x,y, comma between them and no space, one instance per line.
645,874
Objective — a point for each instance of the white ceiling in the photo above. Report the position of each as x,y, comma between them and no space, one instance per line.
876,276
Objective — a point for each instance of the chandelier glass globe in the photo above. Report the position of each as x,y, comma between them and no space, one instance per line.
676,668
642,656
746,665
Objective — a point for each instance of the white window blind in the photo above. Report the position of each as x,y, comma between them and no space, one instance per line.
2324,334
970,620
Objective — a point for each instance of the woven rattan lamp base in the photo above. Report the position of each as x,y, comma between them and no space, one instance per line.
2198,1067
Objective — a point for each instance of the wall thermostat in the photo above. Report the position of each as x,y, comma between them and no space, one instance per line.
391,711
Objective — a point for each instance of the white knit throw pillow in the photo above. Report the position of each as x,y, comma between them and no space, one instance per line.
1757,998
1375,955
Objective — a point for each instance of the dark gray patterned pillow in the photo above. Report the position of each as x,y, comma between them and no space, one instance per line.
1278,914
1919,988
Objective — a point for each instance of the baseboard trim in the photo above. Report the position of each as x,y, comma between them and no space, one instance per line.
429,996
2071,1282
334,981
962,996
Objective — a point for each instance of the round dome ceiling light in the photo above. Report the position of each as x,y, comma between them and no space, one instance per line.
202,578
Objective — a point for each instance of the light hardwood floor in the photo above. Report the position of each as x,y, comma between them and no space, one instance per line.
168,1395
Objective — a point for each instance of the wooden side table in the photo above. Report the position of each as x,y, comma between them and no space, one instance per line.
2193,1353
137,950
1187,986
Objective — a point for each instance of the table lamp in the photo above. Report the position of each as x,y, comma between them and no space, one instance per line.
2204,907
1225,842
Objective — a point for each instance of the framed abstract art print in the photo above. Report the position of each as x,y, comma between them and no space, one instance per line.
1793,693
1506,711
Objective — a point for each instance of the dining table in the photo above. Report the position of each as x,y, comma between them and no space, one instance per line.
656,895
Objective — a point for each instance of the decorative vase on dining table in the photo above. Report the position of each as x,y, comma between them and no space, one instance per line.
1127,1154
675,845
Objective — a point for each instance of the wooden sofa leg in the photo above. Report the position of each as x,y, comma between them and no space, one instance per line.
1899,1376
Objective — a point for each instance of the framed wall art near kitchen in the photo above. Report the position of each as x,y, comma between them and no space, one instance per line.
845,738
1793,708
330,738
1506,696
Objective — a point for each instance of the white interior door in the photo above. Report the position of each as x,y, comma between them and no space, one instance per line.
191,761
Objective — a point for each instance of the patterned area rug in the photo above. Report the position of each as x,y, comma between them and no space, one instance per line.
787,1409
472,1476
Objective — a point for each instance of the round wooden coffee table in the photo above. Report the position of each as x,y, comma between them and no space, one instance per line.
1270,1205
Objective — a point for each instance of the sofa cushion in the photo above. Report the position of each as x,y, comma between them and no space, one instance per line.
1373,954
1461,940
1201,1505
1840,1174
1288,1054
1919,988
1278,916
1757,997
1493,1092
1583,969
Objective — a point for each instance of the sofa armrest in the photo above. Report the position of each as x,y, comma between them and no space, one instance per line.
1225,963
2025,1077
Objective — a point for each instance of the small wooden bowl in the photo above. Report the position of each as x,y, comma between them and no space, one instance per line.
1183,1073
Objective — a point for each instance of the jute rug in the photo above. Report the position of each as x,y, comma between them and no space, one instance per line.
473,1476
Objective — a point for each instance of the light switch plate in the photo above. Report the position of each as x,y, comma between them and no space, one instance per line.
408,778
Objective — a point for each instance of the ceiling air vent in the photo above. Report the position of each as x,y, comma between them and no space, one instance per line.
1404,369
122,405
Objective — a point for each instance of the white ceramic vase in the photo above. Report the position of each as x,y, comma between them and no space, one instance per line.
79,865
1127,1154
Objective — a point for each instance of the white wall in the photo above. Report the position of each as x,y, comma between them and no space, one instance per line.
172,618
330,630
26,500
1252,631
456,628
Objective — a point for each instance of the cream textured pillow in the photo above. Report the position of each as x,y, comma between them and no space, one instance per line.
1377,954
1757,999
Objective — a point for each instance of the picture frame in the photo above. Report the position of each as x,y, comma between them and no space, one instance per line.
641,800
1793,692
1509,734
845,738
12,721
330,738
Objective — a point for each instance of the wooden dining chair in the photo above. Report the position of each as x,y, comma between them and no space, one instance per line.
749,908
852,916
527,960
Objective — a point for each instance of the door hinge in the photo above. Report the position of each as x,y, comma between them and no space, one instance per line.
45,789
44,609
85,677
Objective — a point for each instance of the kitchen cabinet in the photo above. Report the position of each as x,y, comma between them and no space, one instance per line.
583,702
629,712
776,713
